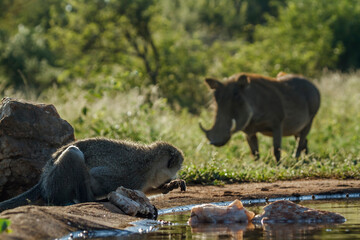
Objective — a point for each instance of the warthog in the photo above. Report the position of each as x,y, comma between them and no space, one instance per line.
276,107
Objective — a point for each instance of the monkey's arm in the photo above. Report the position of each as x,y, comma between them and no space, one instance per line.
105,179
167,187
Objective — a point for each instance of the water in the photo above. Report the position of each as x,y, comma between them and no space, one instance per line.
346,204
350,209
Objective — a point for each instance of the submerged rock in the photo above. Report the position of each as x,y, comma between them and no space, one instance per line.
209,213
277,212
29,134
133,203
284,211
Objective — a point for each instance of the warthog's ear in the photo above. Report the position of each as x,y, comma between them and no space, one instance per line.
243,81
213,83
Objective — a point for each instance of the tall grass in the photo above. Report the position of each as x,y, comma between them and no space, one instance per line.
141,115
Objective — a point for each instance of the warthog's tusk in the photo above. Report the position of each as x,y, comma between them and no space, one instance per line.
202,128
233,125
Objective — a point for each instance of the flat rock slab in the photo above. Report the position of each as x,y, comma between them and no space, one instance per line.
49,222
199,194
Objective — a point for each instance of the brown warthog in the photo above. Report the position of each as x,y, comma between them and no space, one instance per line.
275,107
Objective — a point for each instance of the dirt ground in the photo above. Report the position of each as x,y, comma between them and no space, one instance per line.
204,194
49,222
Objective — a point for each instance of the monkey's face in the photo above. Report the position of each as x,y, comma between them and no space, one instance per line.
169,162
175,159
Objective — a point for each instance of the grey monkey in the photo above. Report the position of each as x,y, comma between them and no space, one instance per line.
87,170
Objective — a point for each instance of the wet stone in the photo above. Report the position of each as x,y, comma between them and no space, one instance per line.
133,203
284,211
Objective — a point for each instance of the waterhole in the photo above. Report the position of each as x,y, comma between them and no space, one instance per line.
173,223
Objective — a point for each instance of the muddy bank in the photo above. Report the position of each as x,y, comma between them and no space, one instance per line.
229,192
44,222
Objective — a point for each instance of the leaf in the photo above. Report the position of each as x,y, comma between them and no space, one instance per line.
4,225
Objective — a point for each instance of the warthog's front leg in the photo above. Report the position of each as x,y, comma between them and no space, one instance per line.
253,144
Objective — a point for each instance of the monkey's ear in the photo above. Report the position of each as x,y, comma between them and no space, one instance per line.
213,83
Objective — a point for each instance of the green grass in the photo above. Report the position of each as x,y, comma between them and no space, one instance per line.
141,115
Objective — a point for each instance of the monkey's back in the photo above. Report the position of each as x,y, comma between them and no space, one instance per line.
100,151
116,163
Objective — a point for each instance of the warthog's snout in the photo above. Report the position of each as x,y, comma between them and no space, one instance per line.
214,138
218,144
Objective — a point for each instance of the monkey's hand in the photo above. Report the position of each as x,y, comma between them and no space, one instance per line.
173,184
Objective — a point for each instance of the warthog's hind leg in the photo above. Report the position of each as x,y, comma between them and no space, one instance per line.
302,143
277,135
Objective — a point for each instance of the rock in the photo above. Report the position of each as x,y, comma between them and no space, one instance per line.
210,213
277,212
284,211
133,203
29,134
49,222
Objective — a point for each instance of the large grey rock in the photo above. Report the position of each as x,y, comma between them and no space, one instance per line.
29,134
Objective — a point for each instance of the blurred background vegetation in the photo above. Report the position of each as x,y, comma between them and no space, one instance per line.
135,68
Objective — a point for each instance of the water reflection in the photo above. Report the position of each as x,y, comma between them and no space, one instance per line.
293,231
251,231
234,230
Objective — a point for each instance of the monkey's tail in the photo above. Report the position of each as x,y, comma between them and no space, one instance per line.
25,198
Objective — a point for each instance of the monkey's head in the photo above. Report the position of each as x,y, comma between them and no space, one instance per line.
167,162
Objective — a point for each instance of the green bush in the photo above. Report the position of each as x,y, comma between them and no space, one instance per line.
25,59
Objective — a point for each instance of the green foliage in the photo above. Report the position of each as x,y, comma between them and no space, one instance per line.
26,59
103,37
227,19
4,225
172,44
301,40
346,30
183,62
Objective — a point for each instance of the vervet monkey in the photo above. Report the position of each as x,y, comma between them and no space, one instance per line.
89,169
